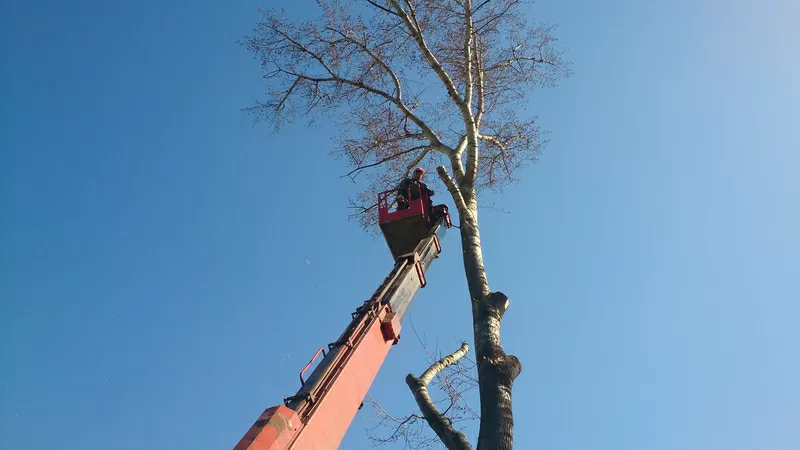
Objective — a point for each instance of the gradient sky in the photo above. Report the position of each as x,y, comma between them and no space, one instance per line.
166,268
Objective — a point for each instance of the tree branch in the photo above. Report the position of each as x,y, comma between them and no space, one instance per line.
463,106
471,173
481,89
455,160
388,158
416,33
386,10
492,140
435,142
452,188
336,78
468,31
377,59
416,162
452,439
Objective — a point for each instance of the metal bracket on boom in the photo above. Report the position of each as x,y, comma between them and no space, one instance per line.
333,345
413,258
390,326
307,397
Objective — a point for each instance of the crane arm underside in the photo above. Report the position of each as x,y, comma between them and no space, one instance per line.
318,415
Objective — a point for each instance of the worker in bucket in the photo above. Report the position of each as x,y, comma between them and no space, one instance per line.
412,187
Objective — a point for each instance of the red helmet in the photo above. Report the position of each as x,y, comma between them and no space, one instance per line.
419,169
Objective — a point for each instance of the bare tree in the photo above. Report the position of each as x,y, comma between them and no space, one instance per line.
423,82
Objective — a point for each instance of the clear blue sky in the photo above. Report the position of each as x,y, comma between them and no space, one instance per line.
166,268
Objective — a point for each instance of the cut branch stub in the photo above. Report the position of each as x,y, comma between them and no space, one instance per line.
497,371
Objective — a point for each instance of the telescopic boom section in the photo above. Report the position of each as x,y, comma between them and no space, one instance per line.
319,414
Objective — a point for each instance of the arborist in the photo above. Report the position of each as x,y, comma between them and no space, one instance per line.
413,188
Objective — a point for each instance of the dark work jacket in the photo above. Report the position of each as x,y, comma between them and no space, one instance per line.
416,188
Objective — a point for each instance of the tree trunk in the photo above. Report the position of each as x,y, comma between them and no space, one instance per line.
496,370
